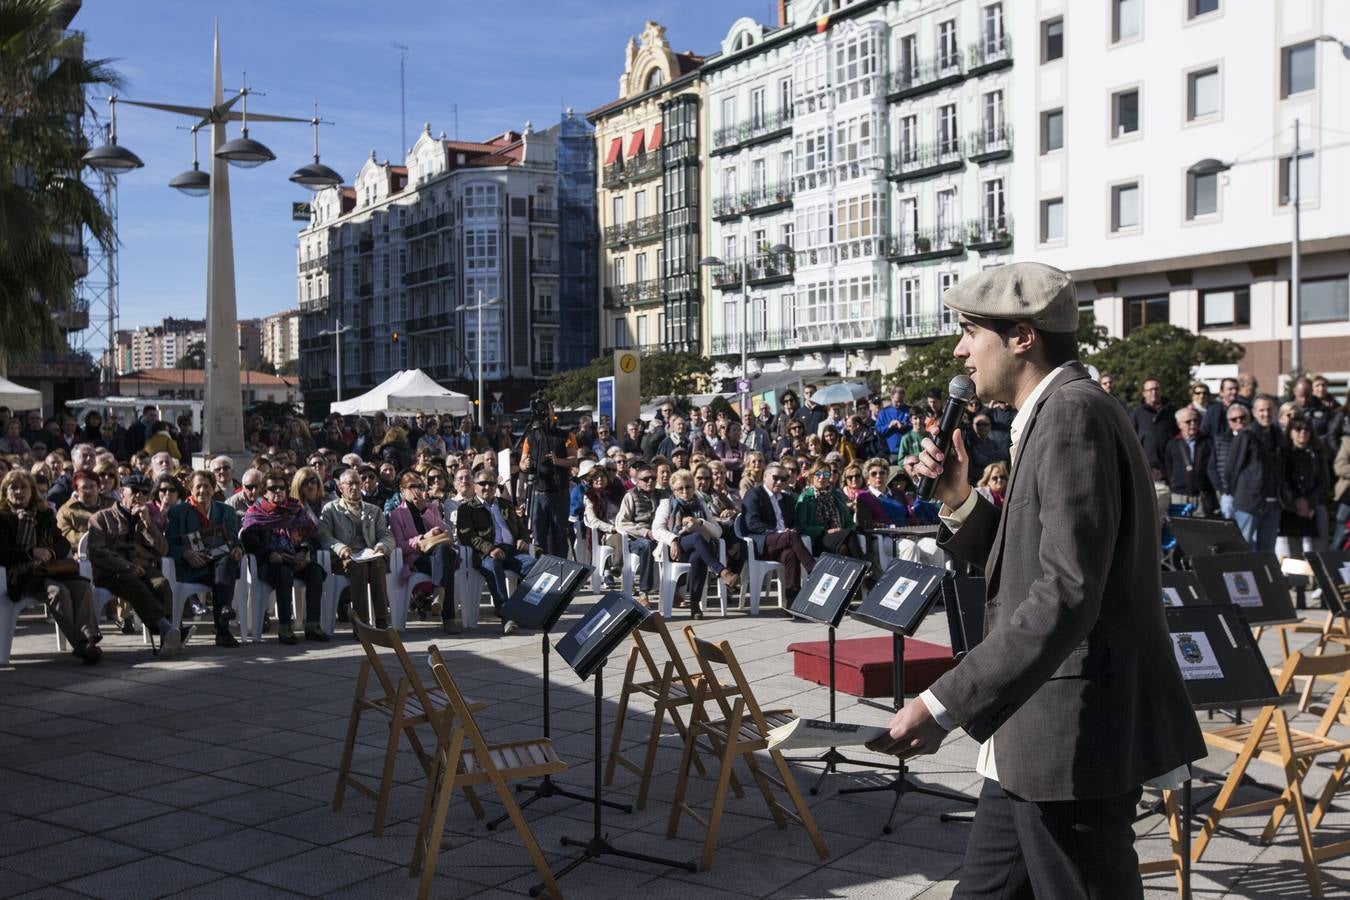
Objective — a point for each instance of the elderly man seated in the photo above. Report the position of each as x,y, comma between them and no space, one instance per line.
428,547
499,540
125,547
72,519
769,519
250,490
358,537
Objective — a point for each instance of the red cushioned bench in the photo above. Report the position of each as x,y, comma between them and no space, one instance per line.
862,666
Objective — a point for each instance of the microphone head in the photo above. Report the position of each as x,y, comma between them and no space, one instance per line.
961,388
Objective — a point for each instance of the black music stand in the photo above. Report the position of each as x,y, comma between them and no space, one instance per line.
898,604
1331,568
1182,589
1206,537
824,598
586,648
1221,667
963,597
1252,581
538,601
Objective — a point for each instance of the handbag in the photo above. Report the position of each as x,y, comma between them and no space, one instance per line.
56,569
442,538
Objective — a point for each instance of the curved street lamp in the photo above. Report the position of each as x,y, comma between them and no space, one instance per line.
243,151
316,176
110,157
194,182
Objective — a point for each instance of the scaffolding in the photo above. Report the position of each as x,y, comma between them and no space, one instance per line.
96,291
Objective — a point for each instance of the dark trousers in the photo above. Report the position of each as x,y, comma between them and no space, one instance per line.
645,576
494,572
282,578
150,596
843,542
548,517
440,565
701,554
1072,849
369,577
787,548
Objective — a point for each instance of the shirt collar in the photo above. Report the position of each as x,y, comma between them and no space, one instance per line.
1019,422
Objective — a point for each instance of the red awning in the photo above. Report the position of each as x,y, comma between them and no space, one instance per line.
635,145
654,142
615,148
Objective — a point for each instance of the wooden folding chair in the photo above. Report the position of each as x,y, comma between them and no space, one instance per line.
1172,864
461,767
671,688
1269,739
742,730
406,704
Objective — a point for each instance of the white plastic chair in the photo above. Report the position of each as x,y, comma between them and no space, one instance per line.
182,590
102,596
471,588
581,550
598,555
259,597
672,572
9,620
631,561
401,598
758,571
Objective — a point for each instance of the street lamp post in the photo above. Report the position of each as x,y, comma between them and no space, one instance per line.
337,331
223,425
713,261
477,309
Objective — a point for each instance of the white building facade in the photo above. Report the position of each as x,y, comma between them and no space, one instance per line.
281,338
1126,96
873,139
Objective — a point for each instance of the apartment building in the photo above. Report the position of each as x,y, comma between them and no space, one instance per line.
162,346
403,255
1126,98
872,139
281,338
649,200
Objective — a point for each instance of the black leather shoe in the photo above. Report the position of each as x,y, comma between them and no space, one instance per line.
225,639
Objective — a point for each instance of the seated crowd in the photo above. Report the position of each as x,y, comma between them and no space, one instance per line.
698,486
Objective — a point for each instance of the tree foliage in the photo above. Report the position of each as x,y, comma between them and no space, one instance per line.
42,80
289,368
194,358
664,373
1164,352
933,366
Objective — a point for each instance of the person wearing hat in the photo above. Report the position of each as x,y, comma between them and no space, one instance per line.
1072,691
125,547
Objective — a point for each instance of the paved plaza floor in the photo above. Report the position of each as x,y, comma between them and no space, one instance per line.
212,776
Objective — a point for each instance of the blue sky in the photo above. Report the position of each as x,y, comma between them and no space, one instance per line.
501,62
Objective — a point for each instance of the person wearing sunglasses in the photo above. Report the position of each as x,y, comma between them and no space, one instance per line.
637,512
222,467
1304,483
1254,476
489,526
282,536
250,489
769,519
125,547
428,548
1187,464
1235,419
688,532
824,516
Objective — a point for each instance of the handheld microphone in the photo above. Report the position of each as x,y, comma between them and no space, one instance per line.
960,391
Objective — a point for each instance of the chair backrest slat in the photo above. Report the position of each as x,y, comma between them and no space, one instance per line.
463,716
388,638
655,623
710,655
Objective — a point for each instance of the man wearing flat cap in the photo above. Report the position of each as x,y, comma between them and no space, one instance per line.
1074,691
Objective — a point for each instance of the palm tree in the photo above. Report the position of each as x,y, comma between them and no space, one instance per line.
43,78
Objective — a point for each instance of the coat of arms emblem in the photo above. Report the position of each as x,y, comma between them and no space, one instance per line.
1190,649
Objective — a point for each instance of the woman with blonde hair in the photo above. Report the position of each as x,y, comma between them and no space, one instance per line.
307,487
993,483
688,532
38,565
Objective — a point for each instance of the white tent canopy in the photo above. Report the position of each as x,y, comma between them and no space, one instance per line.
17,397
406,393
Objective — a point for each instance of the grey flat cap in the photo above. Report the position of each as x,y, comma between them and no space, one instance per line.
1026,291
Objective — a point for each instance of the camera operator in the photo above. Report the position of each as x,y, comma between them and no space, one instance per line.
547,456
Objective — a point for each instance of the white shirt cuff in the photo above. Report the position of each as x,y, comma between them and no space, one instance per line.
938,711
955,518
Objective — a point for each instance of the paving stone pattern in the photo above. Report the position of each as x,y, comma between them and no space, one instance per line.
212,776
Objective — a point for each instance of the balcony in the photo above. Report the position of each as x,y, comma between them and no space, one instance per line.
615,235
836,332
861,248
929,75
548,316
612,298
314,304
757,130
765,269
636,169
989,234
547,214
56,363
858,168
756,202
989,55
927,244
365,245
913,163
760,342
429,322
640,231
74,317
544,266
640,291
989,144
925,327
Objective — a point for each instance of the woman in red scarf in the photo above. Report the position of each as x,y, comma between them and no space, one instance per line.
203,536
280,532
993,483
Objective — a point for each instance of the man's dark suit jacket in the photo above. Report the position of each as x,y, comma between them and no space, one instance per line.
1076,680
477,530
758,520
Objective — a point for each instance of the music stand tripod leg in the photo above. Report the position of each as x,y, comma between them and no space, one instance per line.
547,787
596,845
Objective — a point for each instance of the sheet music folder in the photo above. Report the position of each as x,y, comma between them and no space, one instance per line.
829,588
542,596
587,645
903,596
1220,662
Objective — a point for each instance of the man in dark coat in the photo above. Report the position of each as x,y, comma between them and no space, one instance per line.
1187,464
1154,421
1074,690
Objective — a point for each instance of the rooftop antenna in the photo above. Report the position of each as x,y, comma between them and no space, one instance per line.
454,111
402,92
